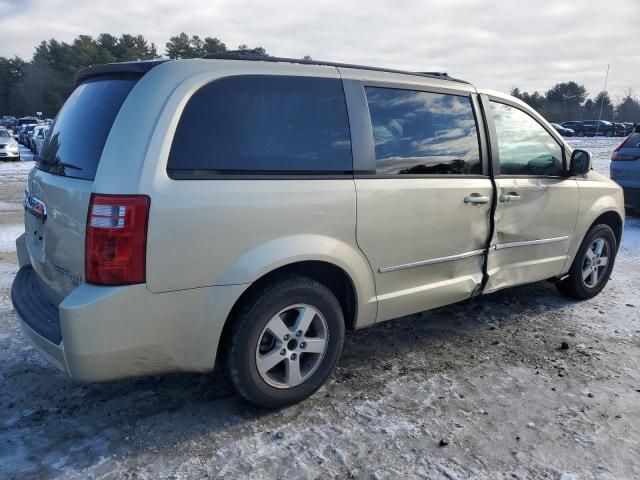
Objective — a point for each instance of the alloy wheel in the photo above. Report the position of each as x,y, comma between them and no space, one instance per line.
291,346
595,262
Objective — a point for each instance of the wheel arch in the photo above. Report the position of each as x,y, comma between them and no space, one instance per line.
614,220
329,274
609,217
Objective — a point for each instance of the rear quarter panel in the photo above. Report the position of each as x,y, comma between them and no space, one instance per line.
231,232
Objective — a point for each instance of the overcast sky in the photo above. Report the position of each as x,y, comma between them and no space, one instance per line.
493,43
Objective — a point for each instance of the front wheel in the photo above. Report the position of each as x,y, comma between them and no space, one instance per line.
592,266
285,342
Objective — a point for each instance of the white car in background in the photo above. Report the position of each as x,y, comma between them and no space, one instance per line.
9,149
31,137
40,134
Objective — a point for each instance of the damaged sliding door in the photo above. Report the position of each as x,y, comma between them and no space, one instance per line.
424,195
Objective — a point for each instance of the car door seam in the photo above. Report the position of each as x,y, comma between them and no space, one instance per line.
494,201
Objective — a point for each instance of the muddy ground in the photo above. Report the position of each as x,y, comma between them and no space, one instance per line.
489,378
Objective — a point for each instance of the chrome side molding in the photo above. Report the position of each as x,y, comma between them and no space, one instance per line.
432,261
527,243
472,253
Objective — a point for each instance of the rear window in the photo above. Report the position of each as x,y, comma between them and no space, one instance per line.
263,125
633,141
75,141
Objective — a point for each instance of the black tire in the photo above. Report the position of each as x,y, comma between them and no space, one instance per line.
574,286
249,324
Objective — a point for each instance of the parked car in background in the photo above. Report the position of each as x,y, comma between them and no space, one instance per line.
27,121
620,129
628,127
625,169
25,133
459,192
8,122
9,148
31,140
574,125
39,138
565,132
600,128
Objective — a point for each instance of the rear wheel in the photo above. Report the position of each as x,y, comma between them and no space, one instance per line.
285,341
592,266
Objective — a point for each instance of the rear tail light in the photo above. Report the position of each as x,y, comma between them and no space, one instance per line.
116,241
616,156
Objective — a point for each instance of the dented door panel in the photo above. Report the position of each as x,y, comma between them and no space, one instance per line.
535,220
424,243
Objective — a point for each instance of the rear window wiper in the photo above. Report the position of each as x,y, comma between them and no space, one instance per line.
40,159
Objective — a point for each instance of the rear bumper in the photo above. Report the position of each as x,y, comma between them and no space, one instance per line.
34,308
107,333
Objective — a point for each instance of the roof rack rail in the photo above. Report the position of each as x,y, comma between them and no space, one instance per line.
436,74
258,56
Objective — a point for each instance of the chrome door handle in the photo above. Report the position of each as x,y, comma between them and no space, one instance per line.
509,197
476,199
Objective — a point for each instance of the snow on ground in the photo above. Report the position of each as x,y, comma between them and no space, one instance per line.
17,171
488,375
7,272
8,235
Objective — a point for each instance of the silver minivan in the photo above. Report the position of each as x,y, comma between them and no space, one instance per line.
246,210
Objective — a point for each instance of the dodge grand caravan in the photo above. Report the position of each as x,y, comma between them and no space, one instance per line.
246,210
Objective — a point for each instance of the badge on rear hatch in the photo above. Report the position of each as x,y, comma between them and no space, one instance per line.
35,206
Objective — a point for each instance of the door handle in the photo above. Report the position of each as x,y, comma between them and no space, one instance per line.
476,199
509,197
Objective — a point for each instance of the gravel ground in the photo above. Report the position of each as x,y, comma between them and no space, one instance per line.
483,389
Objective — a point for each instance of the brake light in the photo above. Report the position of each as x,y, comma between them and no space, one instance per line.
116,239
617,156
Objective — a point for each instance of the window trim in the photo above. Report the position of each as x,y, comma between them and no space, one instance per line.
178,174
493,135
369,172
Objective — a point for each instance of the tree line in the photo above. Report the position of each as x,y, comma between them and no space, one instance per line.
569,101
43,83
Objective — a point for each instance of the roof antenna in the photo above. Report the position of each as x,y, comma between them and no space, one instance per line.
604,91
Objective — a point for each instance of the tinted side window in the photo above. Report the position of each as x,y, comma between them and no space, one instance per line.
525,147
267,124
423,133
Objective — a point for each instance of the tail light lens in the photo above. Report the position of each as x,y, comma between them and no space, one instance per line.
617,156
116,241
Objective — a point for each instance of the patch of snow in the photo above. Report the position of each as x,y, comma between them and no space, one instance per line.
7,272
8,235
10,206
16,168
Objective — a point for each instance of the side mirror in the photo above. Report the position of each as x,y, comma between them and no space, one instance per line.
580,162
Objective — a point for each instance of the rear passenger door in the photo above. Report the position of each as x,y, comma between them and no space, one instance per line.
537,206
423,193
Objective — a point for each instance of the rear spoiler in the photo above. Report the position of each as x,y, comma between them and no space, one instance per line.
135,68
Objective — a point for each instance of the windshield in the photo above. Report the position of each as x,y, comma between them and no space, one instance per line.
79,132
4,134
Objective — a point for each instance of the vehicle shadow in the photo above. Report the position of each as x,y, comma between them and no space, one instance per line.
49,417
